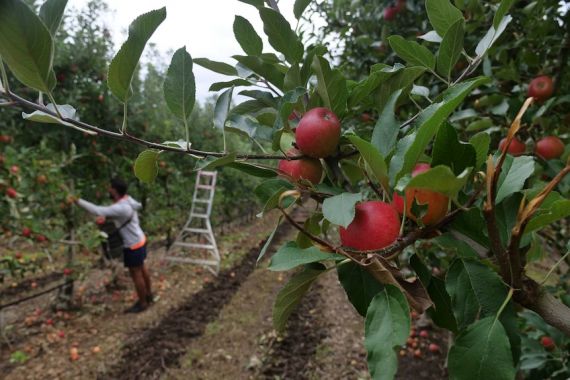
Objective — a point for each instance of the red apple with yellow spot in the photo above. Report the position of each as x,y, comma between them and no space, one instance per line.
375,225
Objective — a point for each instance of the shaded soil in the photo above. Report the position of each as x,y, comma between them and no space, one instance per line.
289,356
25,286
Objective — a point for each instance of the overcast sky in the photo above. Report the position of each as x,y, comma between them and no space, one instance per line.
204,27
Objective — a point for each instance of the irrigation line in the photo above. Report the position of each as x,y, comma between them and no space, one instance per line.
35,295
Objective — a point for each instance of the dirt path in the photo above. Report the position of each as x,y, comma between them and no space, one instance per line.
100,329
156,349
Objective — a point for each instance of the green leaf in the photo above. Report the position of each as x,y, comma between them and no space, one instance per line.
233,83
386,130
359,92
412,52
26,45
482,352
255,3
339,209
269,191
475,291
291,256
387,326
280,35
262,68
480,143
450,48
214,162
286,105
292,78
123,65
146,167
428,124
246,36
501,12
359,285
472,224
439,179
269,240
331,86
449,151
179,85
65,110
554,208
517,170
441,312
291,294
402,79
299,7
217,67
51,13
373,159
442,14
492,35
252,169
222,108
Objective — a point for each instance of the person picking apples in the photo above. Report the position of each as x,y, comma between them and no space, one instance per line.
124,214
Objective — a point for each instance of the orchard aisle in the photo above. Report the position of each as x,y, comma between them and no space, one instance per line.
100,329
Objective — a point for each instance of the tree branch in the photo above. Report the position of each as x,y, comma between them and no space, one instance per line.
537,299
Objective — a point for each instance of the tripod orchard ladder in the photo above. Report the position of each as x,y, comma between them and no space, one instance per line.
197,233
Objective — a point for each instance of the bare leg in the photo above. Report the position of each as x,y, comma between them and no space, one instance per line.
146,276
140,286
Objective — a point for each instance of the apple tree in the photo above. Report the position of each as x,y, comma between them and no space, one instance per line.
414,173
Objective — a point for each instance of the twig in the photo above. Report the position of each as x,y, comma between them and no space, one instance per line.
34,295
553,268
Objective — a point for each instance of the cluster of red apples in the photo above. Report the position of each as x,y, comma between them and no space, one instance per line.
549,147
376,224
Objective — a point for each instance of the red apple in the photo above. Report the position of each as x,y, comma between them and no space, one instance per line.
41,179
424,334
318,133
101,98
434,348
548,343
11,192
390,13
305,168
376,225
549,147
5,139
437,203
41,238
516,148
365,117
541,88
18,255
67,271
14,169
61,334
26,232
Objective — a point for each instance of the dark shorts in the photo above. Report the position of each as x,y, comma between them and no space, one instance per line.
134,257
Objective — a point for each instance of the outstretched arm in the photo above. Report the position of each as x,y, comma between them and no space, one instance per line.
112,211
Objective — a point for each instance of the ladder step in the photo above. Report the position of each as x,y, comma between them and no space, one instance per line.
194,245
208,187
194,261
207,174
198,230
201,201
204,216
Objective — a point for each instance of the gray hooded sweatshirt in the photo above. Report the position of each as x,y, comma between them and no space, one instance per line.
120,211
